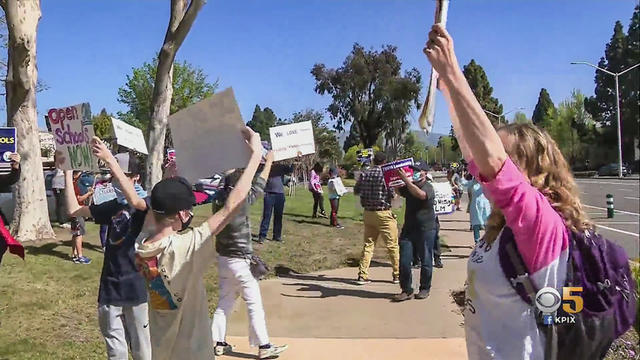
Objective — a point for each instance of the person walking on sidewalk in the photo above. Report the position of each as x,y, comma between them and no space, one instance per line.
375,198
418,232
274,202
480,208
336,191
534,195
316,190
233,245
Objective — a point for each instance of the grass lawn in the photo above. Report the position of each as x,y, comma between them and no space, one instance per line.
48,305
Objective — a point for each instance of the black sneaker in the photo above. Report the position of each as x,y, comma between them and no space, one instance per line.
423,294
260,240
403,296
438,263
222,348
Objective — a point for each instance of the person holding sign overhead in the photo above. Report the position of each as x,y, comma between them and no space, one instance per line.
274,202
418,232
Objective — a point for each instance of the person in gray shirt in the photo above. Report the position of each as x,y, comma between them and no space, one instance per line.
233,245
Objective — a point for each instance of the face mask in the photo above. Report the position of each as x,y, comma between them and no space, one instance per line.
417,176
185,224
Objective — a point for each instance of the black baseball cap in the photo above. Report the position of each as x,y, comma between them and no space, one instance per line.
172,195
420,166
128,163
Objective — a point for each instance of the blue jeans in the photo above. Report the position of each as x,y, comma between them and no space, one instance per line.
422,241
273,203
476,232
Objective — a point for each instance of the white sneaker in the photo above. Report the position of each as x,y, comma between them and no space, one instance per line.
65,226
271,352
222,349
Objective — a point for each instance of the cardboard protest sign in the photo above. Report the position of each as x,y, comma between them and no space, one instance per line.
292,140
103,193
364,155
72,130
129,136
8,143
208,137
171,155
443,202
391,177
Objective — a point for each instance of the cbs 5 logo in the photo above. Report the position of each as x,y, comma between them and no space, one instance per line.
548,300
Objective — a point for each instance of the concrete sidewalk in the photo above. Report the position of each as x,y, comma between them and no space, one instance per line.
326,315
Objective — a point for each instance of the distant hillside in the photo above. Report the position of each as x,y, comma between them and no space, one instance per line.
431,139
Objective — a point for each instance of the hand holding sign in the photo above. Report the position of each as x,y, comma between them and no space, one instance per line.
15,160
100,150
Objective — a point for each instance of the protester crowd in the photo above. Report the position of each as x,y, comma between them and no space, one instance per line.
152,301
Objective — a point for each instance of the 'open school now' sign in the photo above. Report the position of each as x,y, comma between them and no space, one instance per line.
8,143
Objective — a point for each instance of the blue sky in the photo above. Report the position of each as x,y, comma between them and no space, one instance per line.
265,49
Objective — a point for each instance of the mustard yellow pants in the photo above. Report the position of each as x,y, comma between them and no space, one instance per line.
379,224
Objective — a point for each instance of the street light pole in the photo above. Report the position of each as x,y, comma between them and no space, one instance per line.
503,115
616,75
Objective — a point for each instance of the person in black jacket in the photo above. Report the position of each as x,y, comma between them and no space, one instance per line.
6,240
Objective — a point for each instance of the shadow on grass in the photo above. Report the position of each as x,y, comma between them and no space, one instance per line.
328,292
288,273
50,249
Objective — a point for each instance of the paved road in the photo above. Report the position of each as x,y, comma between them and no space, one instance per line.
623,228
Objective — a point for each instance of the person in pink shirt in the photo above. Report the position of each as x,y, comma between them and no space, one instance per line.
533,193
315,186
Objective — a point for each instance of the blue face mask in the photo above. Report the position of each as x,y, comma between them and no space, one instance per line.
417,176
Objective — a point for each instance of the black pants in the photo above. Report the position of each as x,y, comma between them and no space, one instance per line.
318,201
436,242
60,205
335,204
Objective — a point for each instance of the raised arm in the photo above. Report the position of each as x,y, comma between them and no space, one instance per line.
479,135
103,153
457,128
412,188
73,207
219,220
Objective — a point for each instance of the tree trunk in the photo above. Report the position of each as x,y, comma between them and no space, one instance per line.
31,215
180,22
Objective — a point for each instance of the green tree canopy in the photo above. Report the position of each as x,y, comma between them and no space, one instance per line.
262,120
520,118
190,85
369,91
621,52
353,139
102,125
479,83
545,111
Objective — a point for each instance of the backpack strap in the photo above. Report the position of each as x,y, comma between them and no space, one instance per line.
513,264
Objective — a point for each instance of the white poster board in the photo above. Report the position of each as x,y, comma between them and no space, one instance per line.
292,140
129,136
72,130
443,202
207,137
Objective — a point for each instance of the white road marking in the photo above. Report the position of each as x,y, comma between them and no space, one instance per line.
632,198
616,230
629,183
618,211
621,223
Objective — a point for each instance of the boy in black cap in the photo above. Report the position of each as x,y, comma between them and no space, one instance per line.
122,298
418,231
173,261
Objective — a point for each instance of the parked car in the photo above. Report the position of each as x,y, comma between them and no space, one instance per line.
7,204
612,170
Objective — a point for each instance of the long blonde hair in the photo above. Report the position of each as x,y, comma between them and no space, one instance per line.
538,156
